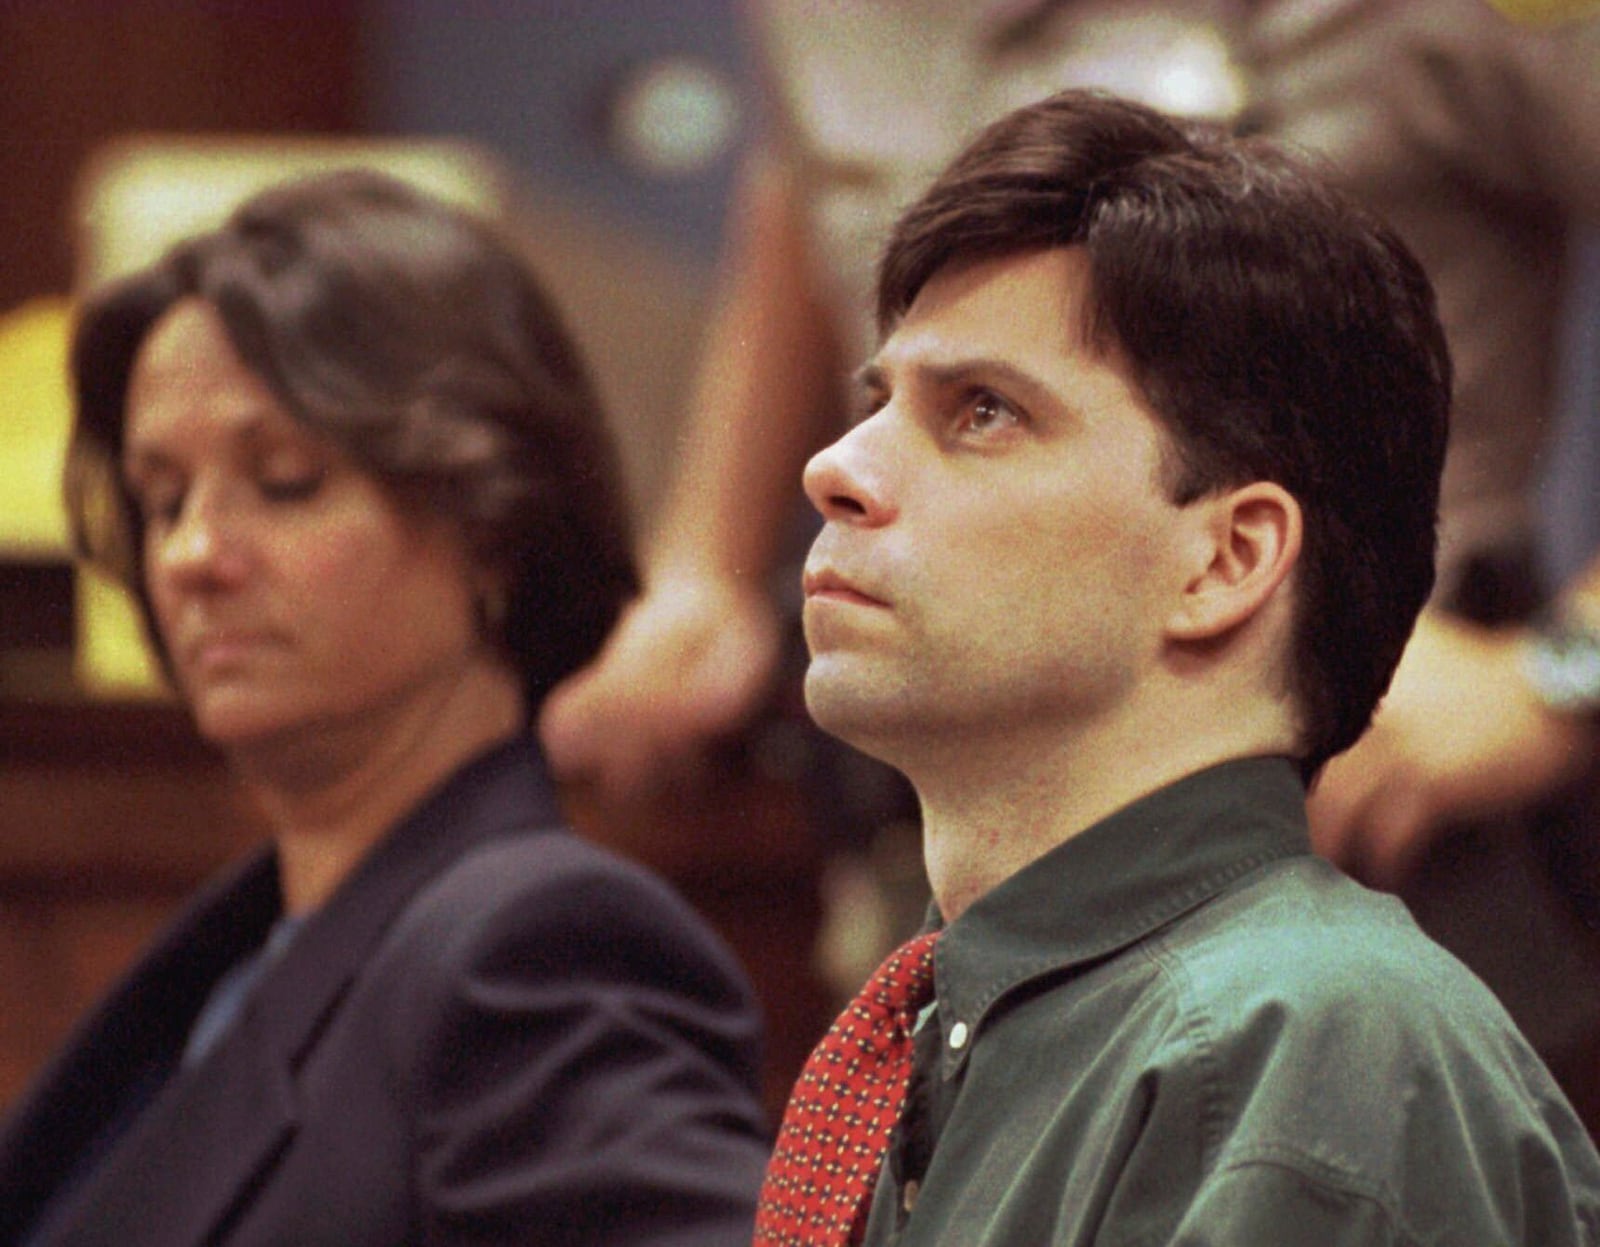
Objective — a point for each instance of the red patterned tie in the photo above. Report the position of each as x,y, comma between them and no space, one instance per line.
844,1106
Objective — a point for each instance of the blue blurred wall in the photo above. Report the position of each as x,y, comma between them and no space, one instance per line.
531,80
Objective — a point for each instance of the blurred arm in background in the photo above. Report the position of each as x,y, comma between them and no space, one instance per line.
694,655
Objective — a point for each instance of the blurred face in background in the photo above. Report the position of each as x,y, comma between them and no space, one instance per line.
291,593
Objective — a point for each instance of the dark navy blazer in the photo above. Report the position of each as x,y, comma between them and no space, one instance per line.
494,1032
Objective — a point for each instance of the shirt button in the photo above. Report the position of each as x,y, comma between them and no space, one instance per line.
908,1197
958,1036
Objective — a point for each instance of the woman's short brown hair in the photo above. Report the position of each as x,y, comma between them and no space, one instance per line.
414,337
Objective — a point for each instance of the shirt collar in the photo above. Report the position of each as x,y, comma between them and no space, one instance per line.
1119,880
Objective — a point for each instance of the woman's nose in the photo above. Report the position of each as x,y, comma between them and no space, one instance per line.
849,481
201,544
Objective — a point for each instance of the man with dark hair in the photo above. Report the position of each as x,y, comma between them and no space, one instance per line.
1473,128
1127,545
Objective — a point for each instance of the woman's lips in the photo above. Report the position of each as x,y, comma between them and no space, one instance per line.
217,650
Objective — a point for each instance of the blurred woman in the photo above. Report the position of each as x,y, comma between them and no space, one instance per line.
350,464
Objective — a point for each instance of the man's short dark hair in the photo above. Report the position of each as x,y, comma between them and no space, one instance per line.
1279,332
417,339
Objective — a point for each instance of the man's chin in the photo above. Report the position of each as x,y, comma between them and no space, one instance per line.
851,710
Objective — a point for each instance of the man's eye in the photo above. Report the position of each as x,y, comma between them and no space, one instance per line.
866,405
987,412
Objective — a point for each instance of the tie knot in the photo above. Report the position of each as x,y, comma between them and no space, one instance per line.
905,979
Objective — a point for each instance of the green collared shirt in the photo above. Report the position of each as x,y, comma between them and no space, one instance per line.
1181,1027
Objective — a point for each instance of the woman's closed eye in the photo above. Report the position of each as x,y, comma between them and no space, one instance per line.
290,472
158,500
291,487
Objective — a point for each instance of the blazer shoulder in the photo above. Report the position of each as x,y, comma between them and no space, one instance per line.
550,905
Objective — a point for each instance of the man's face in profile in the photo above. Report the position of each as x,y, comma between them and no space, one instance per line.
998,552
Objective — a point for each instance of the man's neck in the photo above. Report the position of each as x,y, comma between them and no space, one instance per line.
988,813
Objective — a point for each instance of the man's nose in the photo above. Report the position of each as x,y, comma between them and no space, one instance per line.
849,481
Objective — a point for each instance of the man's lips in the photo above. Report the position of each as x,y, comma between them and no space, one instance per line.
826,583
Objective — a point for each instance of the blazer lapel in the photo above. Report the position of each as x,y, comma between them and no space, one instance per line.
194,1154
216,1129
502,791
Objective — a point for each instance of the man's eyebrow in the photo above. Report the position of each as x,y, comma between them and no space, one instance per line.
873,376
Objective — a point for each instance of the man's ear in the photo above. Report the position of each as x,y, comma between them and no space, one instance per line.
1246,542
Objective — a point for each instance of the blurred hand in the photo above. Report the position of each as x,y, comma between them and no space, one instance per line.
688,661
1459,735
